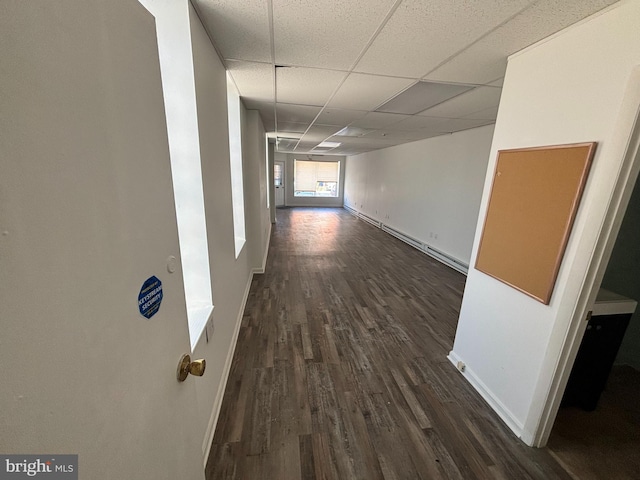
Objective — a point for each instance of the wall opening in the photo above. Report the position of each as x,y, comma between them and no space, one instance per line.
178,85
235,159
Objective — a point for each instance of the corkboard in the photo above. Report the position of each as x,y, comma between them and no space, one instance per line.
534,198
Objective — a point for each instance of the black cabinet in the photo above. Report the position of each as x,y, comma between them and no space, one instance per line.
595,358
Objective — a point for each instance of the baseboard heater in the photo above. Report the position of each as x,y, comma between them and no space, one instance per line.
351,211
446,259
401,236
423,247
369,219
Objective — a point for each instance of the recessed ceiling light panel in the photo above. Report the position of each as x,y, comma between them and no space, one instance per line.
421,96
352,132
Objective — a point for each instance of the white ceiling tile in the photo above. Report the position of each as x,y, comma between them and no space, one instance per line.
487,59
254,80
337,116
421,96
296,113
487,114
458,124
289,135
410,135
478,65
378,120
371,142
319,133
366,92
239,28
306,145
353,132
306,86
420,35
418,121
411,127
479,98
298,128
324,33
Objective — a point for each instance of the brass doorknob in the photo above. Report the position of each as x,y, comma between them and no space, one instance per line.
186,367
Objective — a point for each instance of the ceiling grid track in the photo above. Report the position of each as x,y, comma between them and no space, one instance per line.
356,78
375,34
486,34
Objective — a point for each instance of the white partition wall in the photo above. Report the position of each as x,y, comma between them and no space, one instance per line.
566,89
429,190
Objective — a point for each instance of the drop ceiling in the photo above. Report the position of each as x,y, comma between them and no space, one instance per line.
370,74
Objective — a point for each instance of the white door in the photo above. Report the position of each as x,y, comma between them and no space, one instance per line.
86,216
278,181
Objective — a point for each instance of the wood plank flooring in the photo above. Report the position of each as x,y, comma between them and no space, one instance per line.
340,371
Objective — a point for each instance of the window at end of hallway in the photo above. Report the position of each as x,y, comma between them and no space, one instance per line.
316,179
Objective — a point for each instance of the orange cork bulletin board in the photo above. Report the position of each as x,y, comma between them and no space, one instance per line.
533,203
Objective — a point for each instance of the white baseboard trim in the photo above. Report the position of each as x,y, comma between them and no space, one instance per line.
503,412
351,210
217,404
266,252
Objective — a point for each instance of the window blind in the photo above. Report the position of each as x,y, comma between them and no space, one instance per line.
308,173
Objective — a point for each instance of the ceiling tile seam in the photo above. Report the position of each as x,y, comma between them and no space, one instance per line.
320,106
473,85
323,108
452,98
375,34
479,110
339,70
481,37
297,104
568,28
258,62
309,67
395,95
387,17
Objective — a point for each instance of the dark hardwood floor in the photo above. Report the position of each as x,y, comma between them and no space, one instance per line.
340,371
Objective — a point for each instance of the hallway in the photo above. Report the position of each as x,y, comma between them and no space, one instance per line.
340,371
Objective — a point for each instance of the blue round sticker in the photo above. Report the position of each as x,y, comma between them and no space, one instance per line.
150,297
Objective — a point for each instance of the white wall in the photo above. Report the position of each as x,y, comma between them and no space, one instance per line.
255,188
429,190
290,200
563,90
231,277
